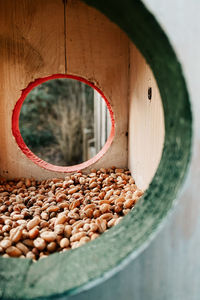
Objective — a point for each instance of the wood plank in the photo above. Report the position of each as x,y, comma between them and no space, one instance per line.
32,45
146,121
99,51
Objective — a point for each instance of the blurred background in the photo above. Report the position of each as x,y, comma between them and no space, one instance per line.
64,121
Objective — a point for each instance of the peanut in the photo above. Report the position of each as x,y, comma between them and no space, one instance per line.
77,236
22,248
51,247
68,230
16,234
32,223
30,255
39,243
48,236
13,251
33,233
102,224
61,219
5,243
64,243
61,214
59,229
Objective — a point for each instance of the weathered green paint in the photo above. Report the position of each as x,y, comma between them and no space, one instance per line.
75,270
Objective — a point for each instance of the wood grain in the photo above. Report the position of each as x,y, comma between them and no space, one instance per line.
99,51
32,46
146,121
35,43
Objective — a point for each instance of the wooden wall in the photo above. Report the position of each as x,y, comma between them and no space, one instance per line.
41,38
146,121
35,43
32,46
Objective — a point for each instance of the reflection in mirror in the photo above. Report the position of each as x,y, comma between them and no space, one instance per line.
64,121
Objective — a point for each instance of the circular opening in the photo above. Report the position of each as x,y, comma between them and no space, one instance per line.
63,123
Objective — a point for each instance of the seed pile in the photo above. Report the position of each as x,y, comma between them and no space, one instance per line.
41,217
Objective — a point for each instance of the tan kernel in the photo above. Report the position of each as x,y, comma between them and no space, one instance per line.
59,238
86,227
39,243
30,255
6,228
74,204
96,213
48,236
111,223
51,247
33,233
120,200
85,239
118,208
28,243
93,185
89,206
5,243
94,236
68,230
73,215
61,219
126,211
77,236
44,224
59,229
28,182
22,248
138,193
17,217
44,216
73,190
5,255
53,208
105,208
117,221
64,243
89,212
106,216
16,234
93,227
13,251
32,223
82,180
102,225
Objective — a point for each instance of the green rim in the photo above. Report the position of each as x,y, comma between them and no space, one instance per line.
79,269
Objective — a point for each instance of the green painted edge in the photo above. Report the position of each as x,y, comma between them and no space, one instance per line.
62,274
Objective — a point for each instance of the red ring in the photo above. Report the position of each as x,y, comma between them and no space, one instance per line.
30,154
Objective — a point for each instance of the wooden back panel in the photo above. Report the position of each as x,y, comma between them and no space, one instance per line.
41,38
35,43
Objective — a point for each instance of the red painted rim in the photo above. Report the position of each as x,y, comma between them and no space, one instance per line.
30,154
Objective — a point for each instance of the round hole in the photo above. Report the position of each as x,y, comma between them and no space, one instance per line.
63,123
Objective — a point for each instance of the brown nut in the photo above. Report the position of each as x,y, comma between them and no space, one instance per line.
13,251
16,234
39,243
48,236
34,222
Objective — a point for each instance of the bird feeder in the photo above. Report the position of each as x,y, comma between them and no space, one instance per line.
119,49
